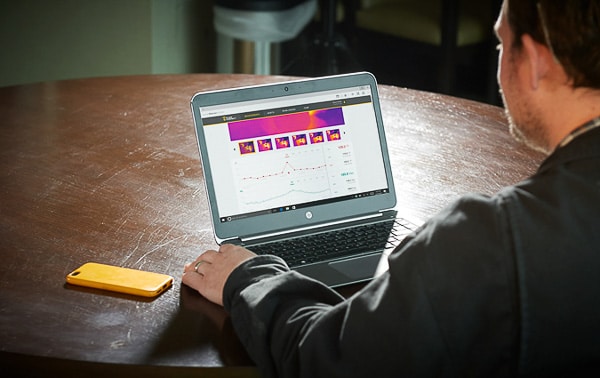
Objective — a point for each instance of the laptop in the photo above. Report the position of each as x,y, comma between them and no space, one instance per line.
295,161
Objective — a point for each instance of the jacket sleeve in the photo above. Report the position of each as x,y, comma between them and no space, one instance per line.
444,308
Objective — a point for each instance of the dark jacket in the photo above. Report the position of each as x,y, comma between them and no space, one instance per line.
507,285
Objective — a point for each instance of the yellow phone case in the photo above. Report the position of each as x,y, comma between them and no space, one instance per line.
122,280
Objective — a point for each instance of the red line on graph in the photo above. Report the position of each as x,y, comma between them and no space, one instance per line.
284,171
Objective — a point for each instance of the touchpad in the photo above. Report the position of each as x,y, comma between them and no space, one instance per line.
359,267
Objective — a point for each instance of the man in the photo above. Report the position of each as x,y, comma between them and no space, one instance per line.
507,285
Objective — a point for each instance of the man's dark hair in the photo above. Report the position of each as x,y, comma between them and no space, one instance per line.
570,28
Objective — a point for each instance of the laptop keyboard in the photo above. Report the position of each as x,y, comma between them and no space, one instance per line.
338,243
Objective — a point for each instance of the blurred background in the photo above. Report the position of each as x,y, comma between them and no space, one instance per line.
444,46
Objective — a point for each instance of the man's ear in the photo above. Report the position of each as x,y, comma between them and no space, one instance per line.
536,56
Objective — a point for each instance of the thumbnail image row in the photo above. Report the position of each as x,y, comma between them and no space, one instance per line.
262,145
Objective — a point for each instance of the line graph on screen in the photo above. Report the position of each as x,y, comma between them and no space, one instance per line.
281,178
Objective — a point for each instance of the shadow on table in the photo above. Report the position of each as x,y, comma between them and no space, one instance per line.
200,333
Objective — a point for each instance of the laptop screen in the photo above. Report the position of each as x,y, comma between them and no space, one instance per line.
292,153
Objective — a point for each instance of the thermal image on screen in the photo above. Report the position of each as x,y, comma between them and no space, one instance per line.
333,135
264,145
316,137
283,142
300,140
288,123
246,147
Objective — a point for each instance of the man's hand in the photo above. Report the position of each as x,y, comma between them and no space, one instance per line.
209,272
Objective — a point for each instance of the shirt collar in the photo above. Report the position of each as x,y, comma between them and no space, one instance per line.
592,124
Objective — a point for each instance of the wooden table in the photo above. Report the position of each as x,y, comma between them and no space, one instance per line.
108,170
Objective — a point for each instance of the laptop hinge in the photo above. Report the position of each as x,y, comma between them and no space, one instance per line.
249,239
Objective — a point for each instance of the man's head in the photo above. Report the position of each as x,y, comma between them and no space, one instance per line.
549,49
569,28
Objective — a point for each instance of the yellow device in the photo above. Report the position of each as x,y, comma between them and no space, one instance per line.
122,280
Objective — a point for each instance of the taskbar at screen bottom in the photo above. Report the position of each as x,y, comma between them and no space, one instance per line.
283,209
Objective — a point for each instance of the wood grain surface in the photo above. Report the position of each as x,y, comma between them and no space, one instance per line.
107,170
